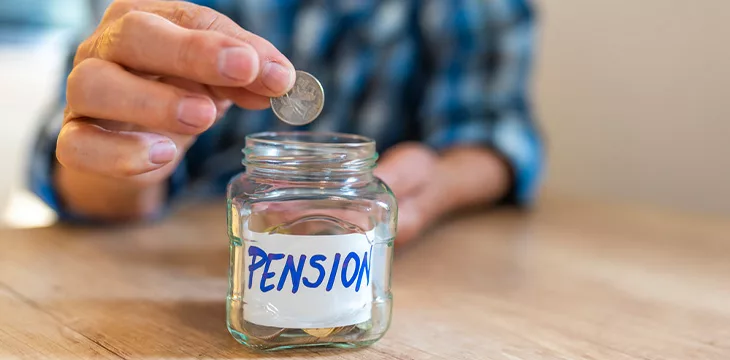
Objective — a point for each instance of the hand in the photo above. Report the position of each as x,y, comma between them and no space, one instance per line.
153,76
411,170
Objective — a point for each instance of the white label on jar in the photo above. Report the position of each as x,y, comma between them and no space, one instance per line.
303,281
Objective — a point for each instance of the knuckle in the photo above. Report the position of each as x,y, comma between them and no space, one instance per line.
417,151
113,42
115,10
190,48
79,83
92,46
181,15
131,20
119,7
86,68
155,109
117,41
143,104
193,16
84,50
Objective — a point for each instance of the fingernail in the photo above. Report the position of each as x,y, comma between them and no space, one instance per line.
278,78
196,111
163,152
239,63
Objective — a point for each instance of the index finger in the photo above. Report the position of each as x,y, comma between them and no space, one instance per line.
180,39
274,69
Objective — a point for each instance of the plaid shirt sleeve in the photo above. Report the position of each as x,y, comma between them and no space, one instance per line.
482,56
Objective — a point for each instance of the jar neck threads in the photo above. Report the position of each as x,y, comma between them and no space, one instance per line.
309,156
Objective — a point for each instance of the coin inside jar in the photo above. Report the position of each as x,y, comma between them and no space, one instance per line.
303,103
325,332
320,332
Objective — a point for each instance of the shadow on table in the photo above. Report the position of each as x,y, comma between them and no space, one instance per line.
167,329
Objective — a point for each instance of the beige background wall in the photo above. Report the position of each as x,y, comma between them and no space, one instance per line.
634,96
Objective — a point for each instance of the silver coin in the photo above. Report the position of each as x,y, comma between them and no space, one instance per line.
303,103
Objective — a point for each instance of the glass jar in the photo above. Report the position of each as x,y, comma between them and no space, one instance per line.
311,243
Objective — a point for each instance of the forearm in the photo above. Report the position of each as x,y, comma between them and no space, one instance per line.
471,176
107,199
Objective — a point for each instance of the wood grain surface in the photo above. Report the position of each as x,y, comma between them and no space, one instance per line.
568,280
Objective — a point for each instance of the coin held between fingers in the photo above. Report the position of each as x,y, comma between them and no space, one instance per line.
303,103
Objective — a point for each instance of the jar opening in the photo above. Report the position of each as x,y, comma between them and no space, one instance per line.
314,138
310,152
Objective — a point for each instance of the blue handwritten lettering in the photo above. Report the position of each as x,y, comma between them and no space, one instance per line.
333,273
314,262
296,273
365,268
268,275
255,252
350,257
355,270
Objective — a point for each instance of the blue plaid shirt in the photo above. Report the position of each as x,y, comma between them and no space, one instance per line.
443,72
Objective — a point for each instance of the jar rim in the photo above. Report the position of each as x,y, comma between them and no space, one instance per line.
311,152
324,139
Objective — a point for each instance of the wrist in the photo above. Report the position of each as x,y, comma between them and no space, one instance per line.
102,198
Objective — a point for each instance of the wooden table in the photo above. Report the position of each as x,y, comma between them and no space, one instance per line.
570,280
